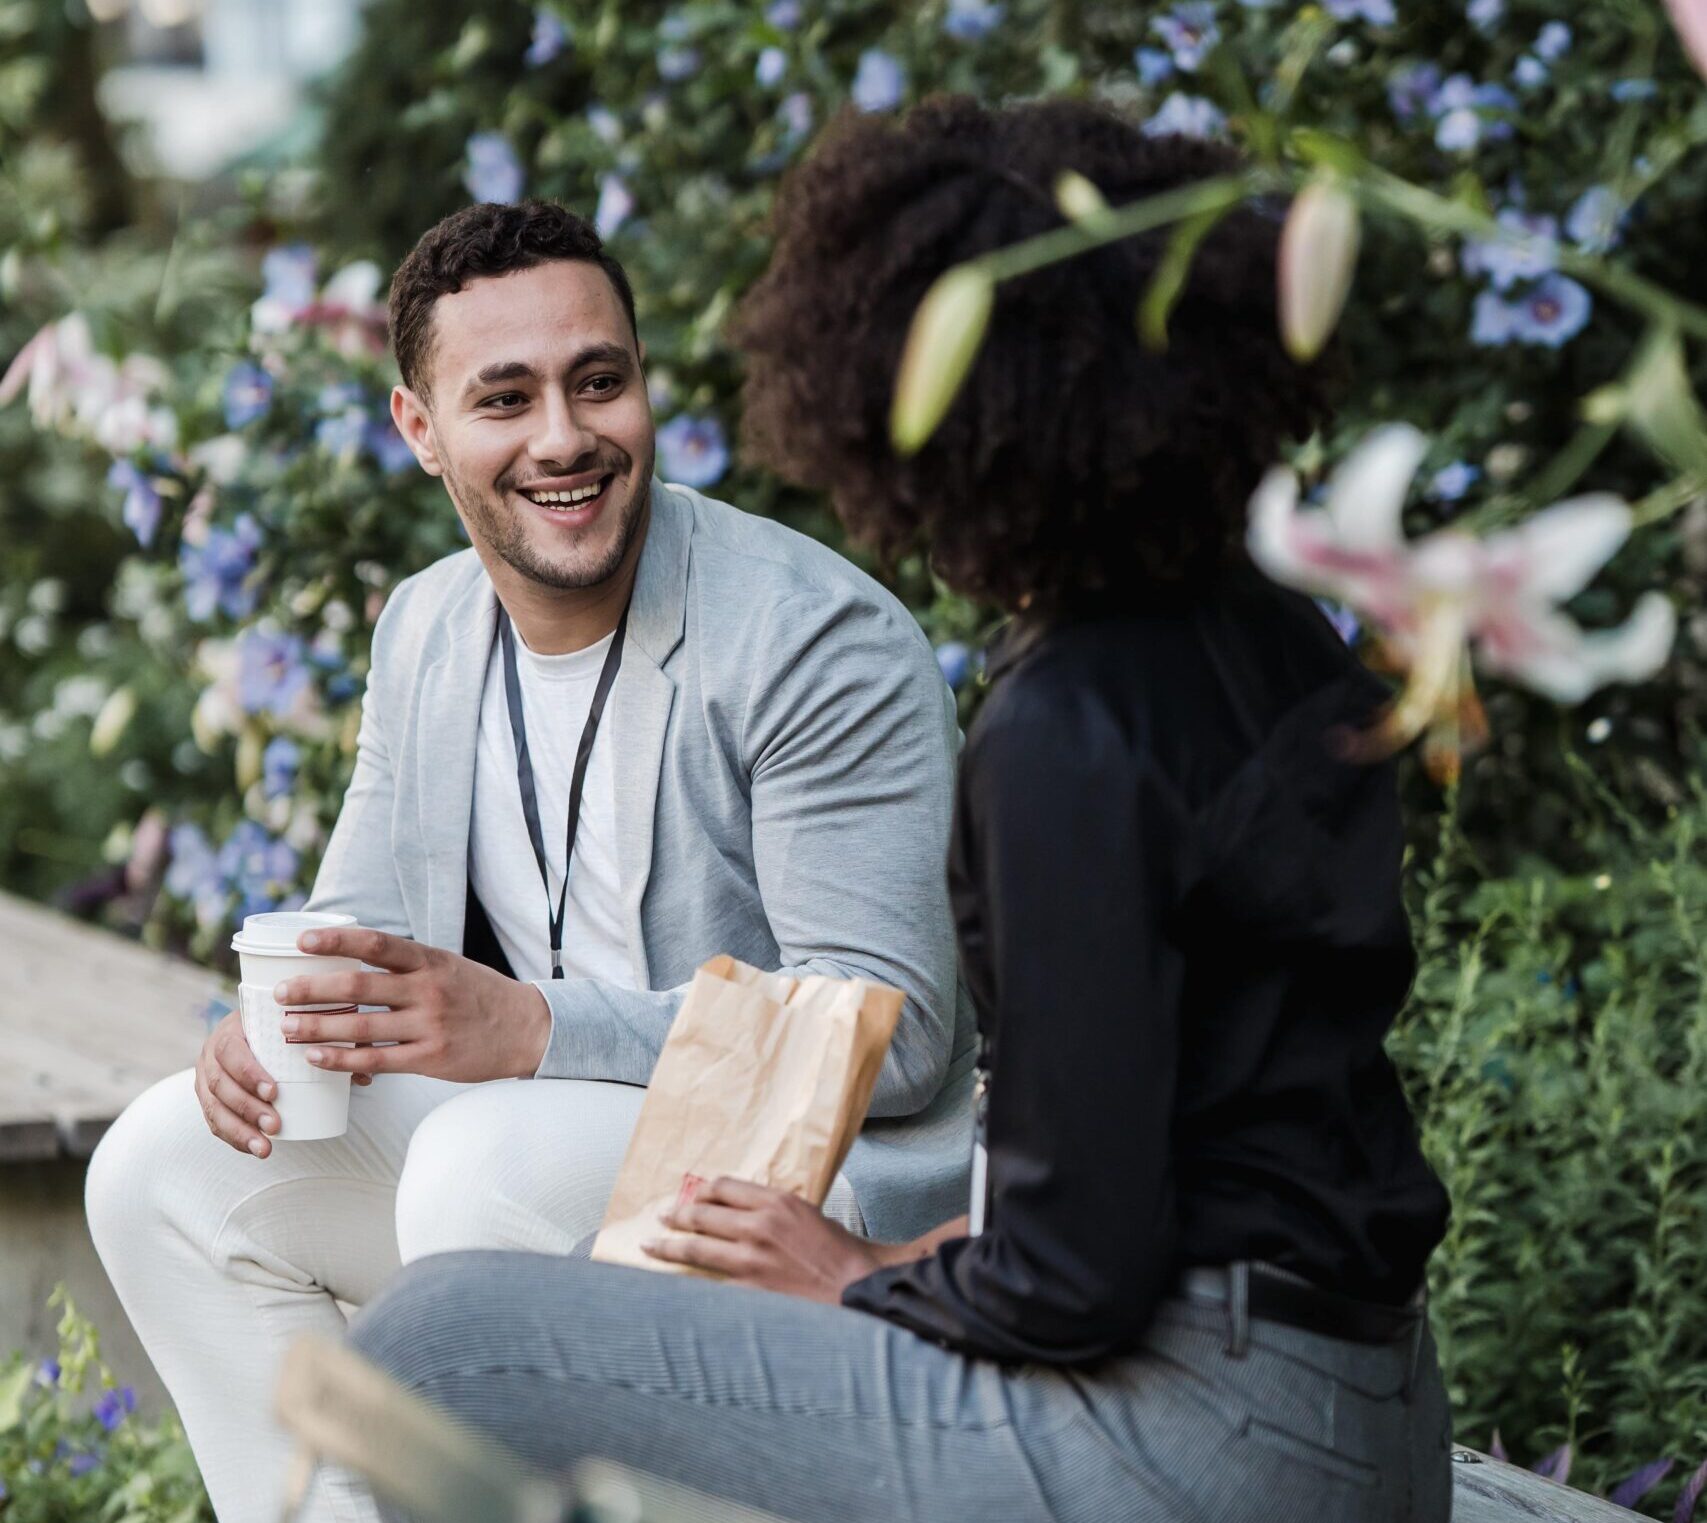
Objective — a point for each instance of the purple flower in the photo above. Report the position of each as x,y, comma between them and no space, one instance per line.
1189,33
549,38
288,274
1506,263
278,766
1185,116
1375,12
677,63
258,865
1491,321
79,1462
879,82
216,571
971,20
1411,89
771,66
1632,89
795,114
692,450
1463,112
1452,481
114,1406
606,125
1553,41
388,447
1529,72
271,671
955,661
493,172
784,15
344,432
47,1372
194,869
1153,65
1485,15
616,201
248,394
1595,221
1556,310
141,510
1345,622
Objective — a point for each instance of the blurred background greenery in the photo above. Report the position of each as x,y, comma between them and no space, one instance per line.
200,520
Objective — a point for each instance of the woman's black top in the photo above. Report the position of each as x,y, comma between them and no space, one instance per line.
1179,916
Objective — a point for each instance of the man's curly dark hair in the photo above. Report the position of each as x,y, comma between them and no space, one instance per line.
1073,460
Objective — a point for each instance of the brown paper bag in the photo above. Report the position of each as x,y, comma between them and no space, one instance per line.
763,1077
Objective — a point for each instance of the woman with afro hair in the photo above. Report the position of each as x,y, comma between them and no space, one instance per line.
1189,1285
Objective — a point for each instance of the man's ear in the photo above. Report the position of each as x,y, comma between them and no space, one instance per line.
415,423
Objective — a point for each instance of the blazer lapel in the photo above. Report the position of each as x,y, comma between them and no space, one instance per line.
447,730
641,701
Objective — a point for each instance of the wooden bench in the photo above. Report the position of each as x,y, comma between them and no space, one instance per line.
88,1020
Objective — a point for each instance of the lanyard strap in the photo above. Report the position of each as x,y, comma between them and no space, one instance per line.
524,769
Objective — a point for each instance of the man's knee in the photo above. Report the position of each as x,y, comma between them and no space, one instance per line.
137,1165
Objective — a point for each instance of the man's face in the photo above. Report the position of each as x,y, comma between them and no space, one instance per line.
538,420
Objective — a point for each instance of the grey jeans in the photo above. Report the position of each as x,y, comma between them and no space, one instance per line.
819,1414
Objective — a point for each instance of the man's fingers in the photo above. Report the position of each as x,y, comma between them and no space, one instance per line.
376,948
702,1253
342,989
741,1193
725,1222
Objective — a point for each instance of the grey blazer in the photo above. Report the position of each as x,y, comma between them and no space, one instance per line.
784,749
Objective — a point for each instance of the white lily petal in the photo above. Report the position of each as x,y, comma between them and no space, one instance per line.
1274,513
1366,496
354,286
1566,663
1554,553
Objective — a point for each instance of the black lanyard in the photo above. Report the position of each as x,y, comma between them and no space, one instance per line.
524,769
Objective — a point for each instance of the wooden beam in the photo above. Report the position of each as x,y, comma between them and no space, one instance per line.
1486,1490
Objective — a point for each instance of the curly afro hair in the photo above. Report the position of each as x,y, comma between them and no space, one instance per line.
1074,461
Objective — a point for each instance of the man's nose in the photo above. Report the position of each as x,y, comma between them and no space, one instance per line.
562,438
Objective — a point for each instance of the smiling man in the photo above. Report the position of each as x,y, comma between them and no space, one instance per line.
629,729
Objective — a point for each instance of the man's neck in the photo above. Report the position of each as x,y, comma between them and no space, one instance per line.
553,621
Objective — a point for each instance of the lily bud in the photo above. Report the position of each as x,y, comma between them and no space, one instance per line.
941,345
1318,257
1689,17
115,714
1079,200
250,745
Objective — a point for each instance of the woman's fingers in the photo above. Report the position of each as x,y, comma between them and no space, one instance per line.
225,1123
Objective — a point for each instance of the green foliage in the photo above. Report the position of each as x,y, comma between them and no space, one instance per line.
71,1455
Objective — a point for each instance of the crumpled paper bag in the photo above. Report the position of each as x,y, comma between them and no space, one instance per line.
764,1077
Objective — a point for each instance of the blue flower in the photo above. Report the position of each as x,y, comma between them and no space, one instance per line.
141,510
1375,12
616,201
1345,622
972,20
956,663
606,125
47,1372
1153,65
1632,89
784,15
288,275
1189,33
1553,41
549,38
338,396
677,63
879,82
389,449
272,671
216,572
1556,310
1185,116
493,172
258,866
1595,221
278,766
795,114
247,395
1411,89
194,869
343,433
771,66
1490,321
1507,263
1451,482
692,450
79,1463
1485,15
1460,108
1529,72
114,1406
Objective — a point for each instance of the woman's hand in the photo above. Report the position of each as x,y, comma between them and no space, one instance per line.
758,1236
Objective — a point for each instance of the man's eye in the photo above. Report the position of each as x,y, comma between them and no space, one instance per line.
504,401
604,385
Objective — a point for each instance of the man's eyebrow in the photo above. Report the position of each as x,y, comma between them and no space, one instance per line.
519,370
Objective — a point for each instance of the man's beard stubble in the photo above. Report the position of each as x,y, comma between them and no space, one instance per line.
505,532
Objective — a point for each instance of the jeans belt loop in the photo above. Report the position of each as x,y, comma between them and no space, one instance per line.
1238,1308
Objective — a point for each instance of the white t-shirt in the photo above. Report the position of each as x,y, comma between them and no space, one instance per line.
557,692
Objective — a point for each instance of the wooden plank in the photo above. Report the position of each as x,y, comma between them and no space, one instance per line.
88,1020
1487,1490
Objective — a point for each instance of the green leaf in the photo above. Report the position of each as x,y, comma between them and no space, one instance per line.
14,1386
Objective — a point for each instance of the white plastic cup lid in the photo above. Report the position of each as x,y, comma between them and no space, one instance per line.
275,932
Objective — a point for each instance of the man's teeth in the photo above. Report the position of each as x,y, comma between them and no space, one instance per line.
566,499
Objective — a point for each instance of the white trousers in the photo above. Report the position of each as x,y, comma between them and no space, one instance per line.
222,1259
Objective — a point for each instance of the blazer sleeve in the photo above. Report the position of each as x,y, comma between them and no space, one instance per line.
358,874
848,740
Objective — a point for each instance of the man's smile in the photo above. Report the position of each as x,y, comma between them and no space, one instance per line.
569,499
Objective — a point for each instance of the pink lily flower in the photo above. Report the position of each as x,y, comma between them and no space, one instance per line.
1435,599
74,389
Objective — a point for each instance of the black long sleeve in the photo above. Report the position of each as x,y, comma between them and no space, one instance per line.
1179,918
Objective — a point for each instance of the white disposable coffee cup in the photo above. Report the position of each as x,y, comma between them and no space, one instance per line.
311,1103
